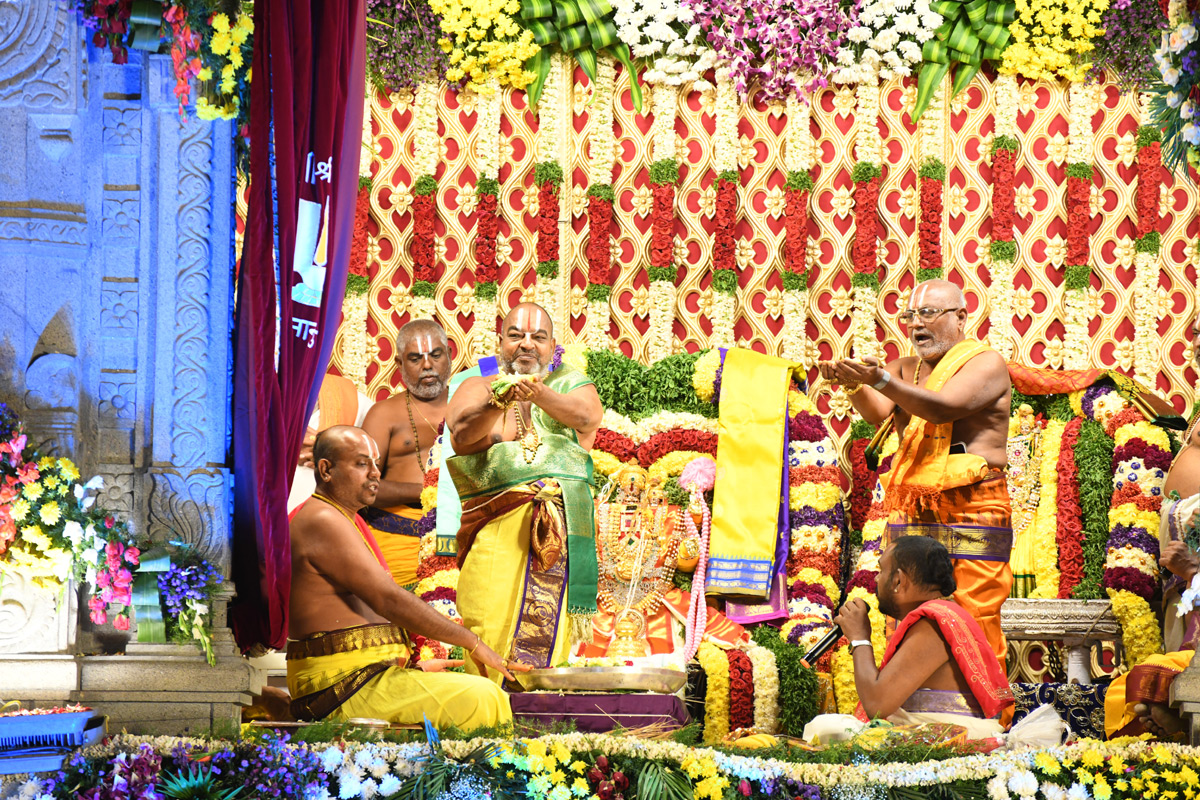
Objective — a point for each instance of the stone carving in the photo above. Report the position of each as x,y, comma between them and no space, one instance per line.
118,395
122,127
121,223
29,227
117,494
50,382
189,438
55,136
194,510
29,618
37,54
1090,620
119,307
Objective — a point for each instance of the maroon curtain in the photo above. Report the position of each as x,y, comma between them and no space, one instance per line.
305,131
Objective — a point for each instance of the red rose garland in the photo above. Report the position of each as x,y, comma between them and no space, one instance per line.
930,230
741,690
1003,196
862,481
358,241
616,444
486,228
1078,217
1149,159
599,246
1069,517
424,215
795,227
662,234
660,444
547,244
866,227
725,236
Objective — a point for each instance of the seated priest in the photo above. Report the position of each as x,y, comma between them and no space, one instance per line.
938,666
526,546
406,425
349,621
1139,701
338,403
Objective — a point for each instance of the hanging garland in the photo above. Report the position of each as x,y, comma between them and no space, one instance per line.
425,155
600,209
799,156
716,699
932,175
1146,249
766,689
548,176
866,174
724,285
487,222
1003,248
664,174
1065,494
741,690
1084,102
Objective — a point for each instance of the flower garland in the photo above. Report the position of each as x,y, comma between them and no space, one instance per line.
1003,247
716,698
1173,107
402,49
886,38
424,189
1040,48
932,175
600,208
548,177
1084,102
226,68
664,174
666,34
1146,249
866,174
724,284
766,689
1064,514
487,49
799,156
487,225
354,338
741,690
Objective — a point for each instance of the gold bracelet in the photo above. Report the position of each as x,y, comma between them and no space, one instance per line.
478,641
852,388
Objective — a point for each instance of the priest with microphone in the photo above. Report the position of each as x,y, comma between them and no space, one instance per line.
938,666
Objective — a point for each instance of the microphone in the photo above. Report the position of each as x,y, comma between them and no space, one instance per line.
823,646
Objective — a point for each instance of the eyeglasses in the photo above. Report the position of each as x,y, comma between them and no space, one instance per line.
927,315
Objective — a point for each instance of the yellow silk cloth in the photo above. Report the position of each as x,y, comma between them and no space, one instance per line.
1149,682
750,464
337,402
491,585
400,550
921,468
399,695
660,633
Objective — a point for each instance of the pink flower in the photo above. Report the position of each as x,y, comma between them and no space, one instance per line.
121,623
124,596
106,595
95,603
103,579
109,522
99,617
132,554
122,578
744,787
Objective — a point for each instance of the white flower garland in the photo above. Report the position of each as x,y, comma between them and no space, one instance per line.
666,34
863,324
889,34
725,137
1075,350
422,308
660,422
367,153
932,138
766,689
487,147
662,130
1084,100
600,150
868,144
599,317
483,334
1006,105
799,152
1145,300
723,306
1000,330
662,319
550,127
425,138
354,339
795,335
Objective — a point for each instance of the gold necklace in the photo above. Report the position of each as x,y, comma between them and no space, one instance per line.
416,436
527,436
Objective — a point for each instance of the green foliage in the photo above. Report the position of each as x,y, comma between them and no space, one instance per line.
1079,169
689,734
486,290
598,292
357,285
1148,135
682,581
487,186
861,429
1077,277
665,170
865,171
1051,406
657,781
795,282
725,281
932,168
602,191
868,279
628,388
668,274
927,274
425,186
1093,458
547,270
1008,143
729,176
364,182
797,683
423,289
548,171
1003,251
799,180
1150,243
196,783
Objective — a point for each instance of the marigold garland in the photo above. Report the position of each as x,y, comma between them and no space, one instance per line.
717,697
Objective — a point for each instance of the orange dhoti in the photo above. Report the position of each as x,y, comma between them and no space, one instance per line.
974,522
399,535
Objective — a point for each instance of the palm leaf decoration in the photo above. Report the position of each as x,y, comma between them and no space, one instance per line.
971,32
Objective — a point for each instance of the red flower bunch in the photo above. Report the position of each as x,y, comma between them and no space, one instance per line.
802,475
1154,457
599,247
358,242
741,690
813,592
1003,198
617,444
866,222
547,222
111,24
806,427
725,236
1130,493
1121,419
1130,580
185,53
660,444
662,225
431,478
1149,160
1069,520
433,565
486,228
930,234
865,579
424,214
607,780
862,484
827,563
1078,217
795,229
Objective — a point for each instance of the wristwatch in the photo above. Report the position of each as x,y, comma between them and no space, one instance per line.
882,382
859,643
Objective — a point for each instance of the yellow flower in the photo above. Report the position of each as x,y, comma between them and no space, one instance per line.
579,767
45,463
1162,755
1091,758
235,58
204,74
536,747
557,776
51,513
1046,763
1116,764
36,537
67,469
32,490
220,23
242,30
580,786
20,508
220,43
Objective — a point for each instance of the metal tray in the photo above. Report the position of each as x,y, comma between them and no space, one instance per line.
604,679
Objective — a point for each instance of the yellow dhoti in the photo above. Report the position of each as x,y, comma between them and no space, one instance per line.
495,571
1149,682
359,672
396,532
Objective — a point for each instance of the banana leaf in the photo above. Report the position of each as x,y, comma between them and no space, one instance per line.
972,32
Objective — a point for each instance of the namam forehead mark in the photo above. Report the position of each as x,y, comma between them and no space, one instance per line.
424,344
918,296
368,444
529,320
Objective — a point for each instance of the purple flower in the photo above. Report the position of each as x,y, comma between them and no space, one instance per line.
402,44
1132,30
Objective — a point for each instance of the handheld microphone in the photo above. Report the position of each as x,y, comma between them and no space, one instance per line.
823,646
